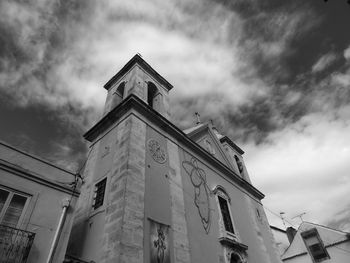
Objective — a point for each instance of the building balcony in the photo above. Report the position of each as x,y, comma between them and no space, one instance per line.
15,244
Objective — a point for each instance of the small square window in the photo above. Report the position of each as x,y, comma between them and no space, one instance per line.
315,245
100,188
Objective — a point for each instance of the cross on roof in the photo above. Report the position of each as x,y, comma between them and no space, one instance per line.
198,118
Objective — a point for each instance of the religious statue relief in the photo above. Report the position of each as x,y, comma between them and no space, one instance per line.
159,243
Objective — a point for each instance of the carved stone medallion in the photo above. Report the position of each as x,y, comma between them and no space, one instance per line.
157,151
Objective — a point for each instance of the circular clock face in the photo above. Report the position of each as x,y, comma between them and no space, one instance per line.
157,151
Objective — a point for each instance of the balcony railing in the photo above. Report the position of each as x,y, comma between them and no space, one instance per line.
15,244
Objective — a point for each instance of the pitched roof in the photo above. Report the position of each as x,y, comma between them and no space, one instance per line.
328,235
198,132
138,59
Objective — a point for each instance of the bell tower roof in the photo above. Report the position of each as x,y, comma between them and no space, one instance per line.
137,59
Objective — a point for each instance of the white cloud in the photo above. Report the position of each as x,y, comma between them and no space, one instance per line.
341,79
304,167
192,53
347,53
324,62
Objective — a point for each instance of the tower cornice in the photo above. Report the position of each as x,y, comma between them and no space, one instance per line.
137,59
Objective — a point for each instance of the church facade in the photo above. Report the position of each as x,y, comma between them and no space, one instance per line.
154,193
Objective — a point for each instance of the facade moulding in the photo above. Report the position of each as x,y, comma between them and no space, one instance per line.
232,144
36,178
133,102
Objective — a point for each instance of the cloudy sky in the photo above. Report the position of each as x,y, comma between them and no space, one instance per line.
273,75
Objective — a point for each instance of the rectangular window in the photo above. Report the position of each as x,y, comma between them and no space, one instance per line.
315,245
12,206
225,212
100,188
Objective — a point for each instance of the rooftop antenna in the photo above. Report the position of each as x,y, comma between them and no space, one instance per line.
139,54
198,118
281,215
300,216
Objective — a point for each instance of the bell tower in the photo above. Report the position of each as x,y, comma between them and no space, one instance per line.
111,216
139,78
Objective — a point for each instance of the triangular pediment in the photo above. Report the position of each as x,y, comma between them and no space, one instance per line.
203,135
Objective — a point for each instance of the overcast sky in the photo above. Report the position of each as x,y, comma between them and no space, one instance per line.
273,75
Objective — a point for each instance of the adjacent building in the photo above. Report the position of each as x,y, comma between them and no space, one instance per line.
316,243
36,208
154,193
281,239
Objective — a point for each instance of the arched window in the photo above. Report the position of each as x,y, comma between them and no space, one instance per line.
239,164
226,223
151,93
118,94
235,258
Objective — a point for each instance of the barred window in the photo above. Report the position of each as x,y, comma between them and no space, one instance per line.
100,188
226,214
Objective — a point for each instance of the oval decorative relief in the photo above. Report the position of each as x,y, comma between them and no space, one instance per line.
157,151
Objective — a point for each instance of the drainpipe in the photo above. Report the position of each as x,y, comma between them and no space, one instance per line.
65,206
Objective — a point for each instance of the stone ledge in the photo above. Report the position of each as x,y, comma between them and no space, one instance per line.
225,241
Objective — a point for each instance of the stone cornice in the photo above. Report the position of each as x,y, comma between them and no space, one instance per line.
29,175
233,244
232,144
133,102
138,60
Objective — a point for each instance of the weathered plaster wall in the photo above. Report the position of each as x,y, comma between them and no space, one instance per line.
281,240
339,253
113,232
178,215
205,247
157,196
45,201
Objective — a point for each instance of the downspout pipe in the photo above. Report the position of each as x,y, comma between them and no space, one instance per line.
65,206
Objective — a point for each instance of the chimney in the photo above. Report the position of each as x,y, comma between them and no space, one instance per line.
290,234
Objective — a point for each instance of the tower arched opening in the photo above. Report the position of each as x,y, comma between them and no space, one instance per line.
235,258
152,92
118,94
